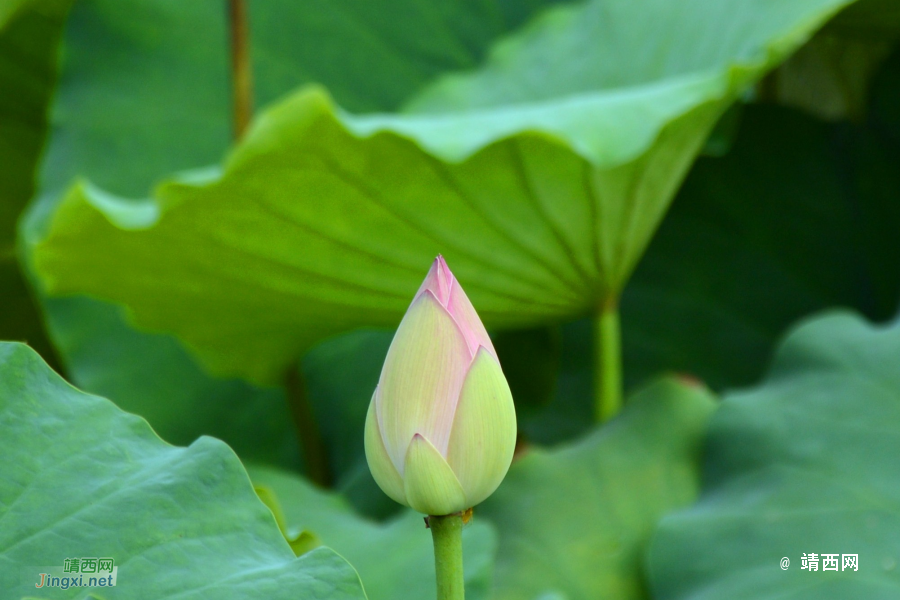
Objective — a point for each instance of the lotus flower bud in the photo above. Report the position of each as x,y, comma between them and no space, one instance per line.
441,427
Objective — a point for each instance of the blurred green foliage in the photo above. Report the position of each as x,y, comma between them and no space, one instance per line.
803,464
537,145
28,42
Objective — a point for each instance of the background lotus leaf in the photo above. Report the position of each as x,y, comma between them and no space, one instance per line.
803,464
81,478
574,522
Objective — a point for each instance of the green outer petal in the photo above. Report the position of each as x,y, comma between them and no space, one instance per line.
484,432
421,379
431,487
383,470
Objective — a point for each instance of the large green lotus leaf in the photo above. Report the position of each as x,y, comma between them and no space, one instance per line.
145,91
786,204
807,212
806,463
574,522
540,176
394,559
30,32
82,478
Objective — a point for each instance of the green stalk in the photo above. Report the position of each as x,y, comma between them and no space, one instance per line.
241,67
448,559
314,452
608,362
